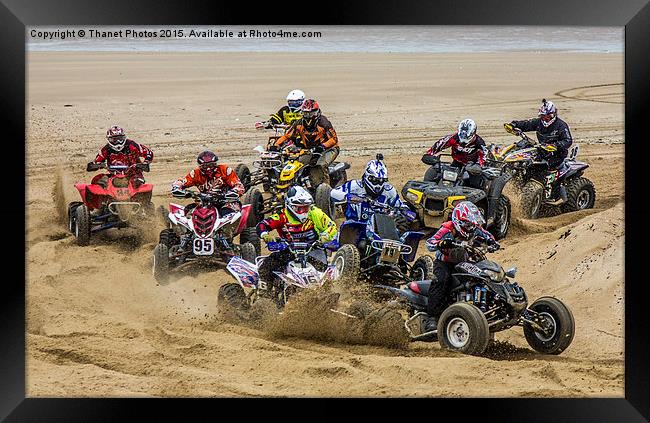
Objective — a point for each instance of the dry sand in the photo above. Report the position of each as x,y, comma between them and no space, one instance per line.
99,325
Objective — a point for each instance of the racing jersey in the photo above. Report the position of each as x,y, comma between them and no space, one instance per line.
557,134
223,177
475,151
362,211
288,228
323,134
447,231
285,115
130,154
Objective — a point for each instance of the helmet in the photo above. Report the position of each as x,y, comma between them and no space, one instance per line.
547,113
466,217
298,202
310,112
295,99
466,131
207,163
375,177
116,137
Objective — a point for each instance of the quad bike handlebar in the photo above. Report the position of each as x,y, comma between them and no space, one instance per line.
381,207
91,167
211,197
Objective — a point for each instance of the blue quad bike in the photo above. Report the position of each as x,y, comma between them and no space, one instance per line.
374,250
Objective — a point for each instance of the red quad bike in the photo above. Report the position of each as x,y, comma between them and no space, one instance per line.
199,234
120,200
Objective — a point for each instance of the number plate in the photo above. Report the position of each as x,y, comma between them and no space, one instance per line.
449,175
203,246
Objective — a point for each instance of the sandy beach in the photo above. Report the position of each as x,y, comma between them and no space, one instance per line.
99,325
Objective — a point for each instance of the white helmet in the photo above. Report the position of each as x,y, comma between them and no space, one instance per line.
375,177
298,202
547,113
466,131
295,99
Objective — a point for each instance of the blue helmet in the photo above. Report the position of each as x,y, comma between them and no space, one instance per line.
375,177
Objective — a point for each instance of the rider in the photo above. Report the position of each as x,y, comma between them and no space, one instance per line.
465,225
552,133
315,132
466,147
287,114
372,185
212,178
300,220
120,150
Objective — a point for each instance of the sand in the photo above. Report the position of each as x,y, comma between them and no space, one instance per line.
99,325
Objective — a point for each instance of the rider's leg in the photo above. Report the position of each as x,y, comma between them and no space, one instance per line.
438,290
276,261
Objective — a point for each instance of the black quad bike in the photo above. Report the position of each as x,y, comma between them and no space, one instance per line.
445,185
540,186
292,166
483,300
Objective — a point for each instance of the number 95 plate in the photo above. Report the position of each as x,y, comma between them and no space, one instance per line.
203,246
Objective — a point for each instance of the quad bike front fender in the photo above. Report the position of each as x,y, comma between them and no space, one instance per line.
245,211
94,200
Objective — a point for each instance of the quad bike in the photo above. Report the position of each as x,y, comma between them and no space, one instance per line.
267,167
483,300
381,326
374,249
445,185
296,167
199,234
540,186
299,274
116,202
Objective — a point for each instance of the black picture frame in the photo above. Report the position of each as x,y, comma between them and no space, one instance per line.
15,15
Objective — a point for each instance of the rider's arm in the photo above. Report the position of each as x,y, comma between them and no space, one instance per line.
288,135
190,180
482,150
102,155
437,244
526,125
145,153
565,140
484,235
440,145
231,180
277,118
324,226
331,139
273,222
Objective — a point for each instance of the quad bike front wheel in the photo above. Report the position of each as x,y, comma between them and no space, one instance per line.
422,269
348,262
232,296
168,237
82,225
244,174
581,195
462,327
249,235
254,197
248,253
561,322
161,263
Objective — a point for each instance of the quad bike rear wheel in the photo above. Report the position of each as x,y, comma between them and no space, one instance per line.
82,225
422,269
71,215
501,224
581,195
161,263
168,237
250,235
462,327
348,262
385,327
532,197
562,323
232,296
323,201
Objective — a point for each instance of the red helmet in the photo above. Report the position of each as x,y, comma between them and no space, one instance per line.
547,112
466,217
310,112
207,163
116,137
